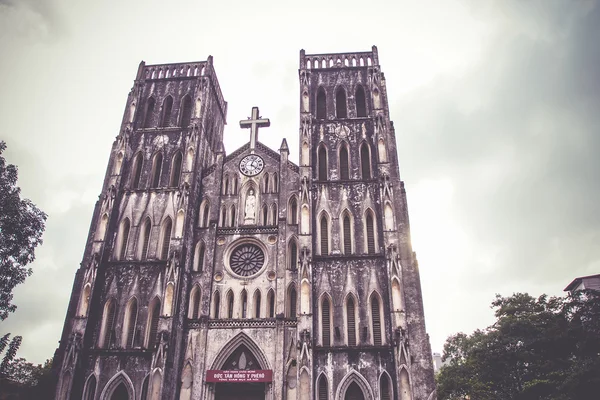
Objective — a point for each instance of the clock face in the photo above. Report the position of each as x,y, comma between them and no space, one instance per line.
251,165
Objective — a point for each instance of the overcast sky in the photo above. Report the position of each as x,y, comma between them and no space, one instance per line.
496,106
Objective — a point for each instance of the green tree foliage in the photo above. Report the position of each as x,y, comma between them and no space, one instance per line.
544,348
26,381
21,228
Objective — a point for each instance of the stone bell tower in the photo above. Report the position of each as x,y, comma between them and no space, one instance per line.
361,302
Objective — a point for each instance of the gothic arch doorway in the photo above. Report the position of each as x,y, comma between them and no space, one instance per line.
240,359
241,353
120,393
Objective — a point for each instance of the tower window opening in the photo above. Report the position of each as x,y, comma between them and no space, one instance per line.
167,108
230,305
326,322
153,314
244,303
376,320
365,161
257,299
370,225
347,232
166,239
340,104
137,171
344,164
156,170
291,303
149,112
293,217
145,239
265,214
293,260
130,320
176,170
323,389
107,333
124,239
322,157
324,236
321,104
351,318
232,212
217,305
186,111
384,388
361,104
271,301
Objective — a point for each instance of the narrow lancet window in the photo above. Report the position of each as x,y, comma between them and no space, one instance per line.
321,104
340,103
344,164
361,104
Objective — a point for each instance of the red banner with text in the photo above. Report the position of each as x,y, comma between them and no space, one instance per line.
241,376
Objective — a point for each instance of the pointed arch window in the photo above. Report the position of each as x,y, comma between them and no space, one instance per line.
145,385
293,255
274,214
204,214
199,257
123,239
257,300
127,339
90,388
145,239
344,163
322,158
323,390
321,104
152,325
166,239
370,228
167,109
365,161
194,306
176,170
223,218
340,103
149,112
275,183
266,184
230,304
137,171
216,304
347,233
186,111
232,215
293,210
225,185
354,392
361,104
244,303
324,233
265,215
385,387
271,302
234,185
351,321
326,322
156,169
108,320
291,302
376,320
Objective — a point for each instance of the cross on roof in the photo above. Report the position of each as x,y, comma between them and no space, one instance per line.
253,123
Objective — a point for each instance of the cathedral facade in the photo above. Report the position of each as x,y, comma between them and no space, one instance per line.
220,276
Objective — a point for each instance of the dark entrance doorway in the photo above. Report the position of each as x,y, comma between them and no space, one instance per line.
240,391
241,359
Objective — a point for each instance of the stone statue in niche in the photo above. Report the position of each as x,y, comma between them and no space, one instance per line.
250,209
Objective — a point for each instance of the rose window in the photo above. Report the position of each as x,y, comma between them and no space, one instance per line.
246,259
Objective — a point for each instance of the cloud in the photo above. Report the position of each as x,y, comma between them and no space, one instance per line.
517,135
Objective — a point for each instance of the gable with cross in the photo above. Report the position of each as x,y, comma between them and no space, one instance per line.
253,123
